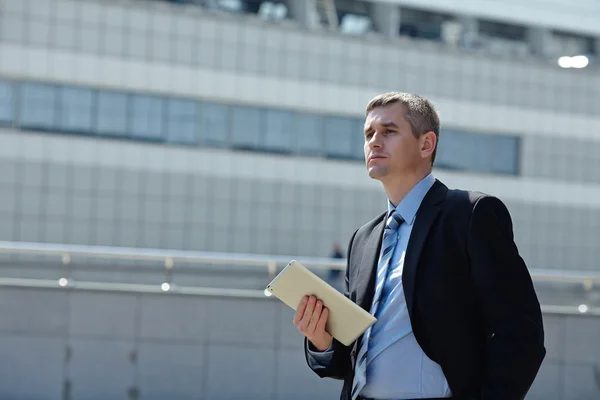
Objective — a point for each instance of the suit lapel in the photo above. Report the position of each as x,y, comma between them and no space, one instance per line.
426,216
366,272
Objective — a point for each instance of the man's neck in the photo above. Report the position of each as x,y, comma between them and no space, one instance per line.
398,187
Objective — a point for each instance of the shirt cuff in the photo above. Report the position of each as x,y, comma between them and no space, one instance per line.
322,357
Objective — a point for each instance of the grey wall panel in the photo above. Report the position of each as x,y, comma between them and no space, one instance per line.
103,315
578,331
289,337
241,372
89,39
66,35
174,318
295,381
8,226
582,381
549,383
82,204
30,229
171,371
31,367
113,42
249,323
33,312
554,331
138,44
101,369
8,199
13,28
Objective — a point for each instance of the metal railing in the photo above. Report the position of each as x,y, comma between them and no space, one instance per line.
171,259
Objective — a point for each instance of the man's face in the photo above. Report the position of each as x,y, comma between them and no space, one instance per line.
391,149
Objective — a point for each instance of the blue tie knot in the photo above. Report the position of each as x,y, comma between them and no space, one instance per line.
394,221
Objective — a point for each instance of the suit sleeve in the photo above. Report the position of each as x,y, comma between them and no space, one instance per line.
509,305
335,361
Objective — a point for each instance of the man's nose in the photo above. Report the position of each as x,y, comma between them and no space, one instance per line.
375,141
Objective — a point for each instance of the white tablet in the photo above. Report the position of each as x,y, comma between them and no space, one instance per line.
346,320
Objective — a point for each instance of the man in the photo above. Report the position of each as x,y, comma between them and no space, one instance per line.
457,314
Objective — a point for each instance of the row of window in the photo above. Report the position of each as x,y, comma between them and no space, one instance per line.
354,18
136,116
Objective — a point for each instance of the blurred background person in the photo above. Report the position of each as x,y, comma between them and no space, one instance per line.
334,276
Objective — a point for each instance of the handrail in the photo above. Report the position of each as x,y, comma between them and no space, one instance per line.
162,255
589,279
262,260
211,292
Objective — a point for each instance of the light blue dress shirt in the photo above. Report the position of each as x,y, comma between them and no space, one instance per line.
397,367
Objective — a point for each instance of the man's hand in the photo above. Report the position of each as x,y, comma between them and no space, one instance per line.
310,319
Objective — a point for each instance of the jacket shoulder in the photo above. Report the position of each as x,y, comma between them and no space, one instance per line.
458,200
369,226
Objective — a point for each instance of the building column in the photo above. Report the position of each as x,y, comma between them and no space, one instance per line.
469,37
540,41
304,11
386,18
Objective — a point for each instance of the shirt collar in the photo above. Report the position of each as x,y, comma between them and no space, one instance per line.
412,201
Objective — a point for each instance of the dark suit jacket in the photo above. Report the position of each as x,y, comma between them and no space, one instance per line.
470,298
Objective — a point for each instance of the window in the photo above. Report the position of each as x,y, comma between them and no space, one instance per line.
278,131
181,121
358,144
272,10
341,136
505,154
354,24
111,111
566,43
502,30
456,150
184,121
309,134
75,109
146,117
478,152
6,102
245,127
214,124
423,24
235,6
38,106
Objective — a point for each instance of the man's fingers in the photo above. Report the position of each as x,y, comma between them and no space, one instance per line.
300,310
314,318
322,320
310,307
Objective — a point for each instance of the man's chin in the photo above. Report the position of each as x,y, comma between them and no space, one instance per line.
376,174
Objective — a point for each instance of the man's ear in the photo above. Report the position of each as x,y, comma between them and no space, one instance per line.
428,143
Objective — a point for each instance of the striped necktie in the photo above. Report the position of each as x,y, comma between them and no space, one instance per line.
393,222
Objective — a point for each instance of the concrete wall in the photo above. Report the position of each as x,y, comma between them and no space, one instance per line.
105,345
69,344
